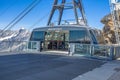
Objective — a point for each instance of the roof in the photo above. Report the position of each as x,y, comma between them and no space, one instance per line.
62,27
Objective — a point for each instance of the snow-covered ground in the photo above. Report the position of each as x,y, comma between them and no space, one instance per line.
18,35
8,37
13,40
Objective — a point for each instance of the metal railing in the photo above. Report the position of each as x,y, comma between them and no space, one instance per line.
98,51
19,46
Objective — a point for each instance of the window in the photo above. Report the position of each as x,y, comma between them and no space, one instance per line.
79,36
37,36
99,36
93,38
57,35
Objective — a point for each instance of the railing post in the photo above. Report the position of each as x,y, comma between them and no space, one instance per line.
93,50
71,49
10,46
90,50
40,46
31,46
112,52
27,46
106,52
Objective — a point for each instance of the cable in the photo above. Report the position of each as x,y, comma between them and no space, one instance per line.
22,13
38,21
19,17
8,7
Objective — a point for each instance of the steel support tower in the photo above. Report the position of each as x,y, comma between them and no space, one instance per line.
115,17
74,4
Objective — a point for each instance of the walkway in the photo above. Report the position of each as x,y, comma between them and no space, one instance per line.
44,66
108,71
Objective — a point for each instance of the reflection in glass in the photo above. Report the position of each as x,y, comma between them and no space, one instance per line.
37,36
79,36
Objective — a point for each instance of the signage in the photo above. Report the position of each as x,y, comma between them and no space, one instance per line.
54,29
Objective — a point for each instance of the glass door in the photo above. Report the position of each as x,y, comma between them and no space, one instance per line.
56,40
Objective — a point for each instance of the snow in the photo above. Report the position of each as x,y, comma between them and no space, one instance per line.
7,37
14,40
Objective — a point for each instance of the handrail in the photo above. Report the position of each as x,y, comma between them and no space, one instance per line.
91,50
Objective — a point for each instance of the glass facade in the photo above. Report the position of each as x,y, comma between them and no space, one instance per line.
60,39
93,37
37,36
99,36
79,36
56,40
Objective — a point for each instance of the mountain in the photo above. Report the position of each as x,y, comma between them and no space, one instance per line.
14,40
15,35
109,29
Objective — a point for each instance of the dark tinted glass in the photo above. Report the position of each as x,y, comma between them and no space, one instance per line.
79,36
37,36
93,37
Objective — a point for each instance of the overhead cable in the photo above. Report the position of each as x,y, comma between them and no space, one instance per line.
22,15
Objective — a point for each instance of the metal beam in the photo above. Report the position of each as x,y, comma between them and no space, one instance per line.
61,7
80,5
52,12
75,11
61,12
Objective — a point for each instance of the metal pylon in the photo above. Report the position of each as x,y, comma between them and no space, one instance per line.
115,17
76,4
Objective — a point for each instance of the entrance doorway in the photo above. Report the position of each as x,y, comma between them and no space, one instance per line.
56,40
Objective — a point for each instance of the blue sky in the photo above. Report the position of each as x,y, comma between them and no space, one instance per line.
95,10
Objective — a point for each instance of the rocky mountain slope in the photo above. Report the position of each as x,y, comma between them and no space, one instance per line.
16,35
13,40
109,29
